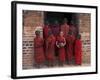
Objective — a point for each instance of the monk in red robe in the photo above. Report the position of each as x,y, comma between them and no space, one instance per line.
46,30
72,28
50,49
60,43
38,50
65,27
55,28
78,50
70,39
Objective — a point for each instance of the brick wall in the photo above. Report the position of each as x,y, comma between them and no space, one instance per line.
84,29
31,19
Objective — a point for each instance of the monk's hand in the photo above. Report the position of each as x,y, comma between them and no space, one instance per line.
58,46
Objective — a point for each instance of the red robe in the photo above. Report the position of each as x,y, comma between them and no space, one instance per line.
45,31
55,29
50,48
70,47
38,50
61,50
65,29
78,51
73,29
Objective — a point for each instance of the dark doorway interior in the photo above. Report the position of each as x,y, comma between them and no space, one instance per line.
51,17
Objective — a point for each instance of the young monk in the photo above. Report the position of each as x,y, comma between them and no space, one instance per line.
65,27
46,30
38,50
60,43
78,50
55,28
50,49
72,28
70,39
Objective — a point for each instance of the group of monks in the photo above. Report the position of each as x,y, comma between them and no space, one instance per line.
59,43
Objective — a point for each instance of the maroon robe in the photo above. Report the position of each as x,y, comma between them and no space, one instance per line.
38,50
73,29
45,31
55,30
65,29
78,52
61,50
70,47
50,48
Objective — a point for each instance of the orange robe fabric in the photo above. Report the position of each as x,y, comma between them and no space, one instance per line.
78,52
50,48
61,51
38,50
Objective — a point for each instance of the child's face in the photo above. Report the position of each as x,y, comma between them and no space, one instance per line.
37,34
61,34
